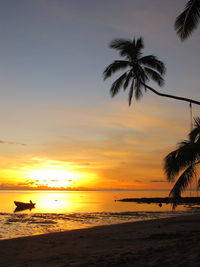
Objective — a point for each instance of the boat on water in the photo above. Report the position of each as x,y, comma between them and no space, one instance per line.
23,206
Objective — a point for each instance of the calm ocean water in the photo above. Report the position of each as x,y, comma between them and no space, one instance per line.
60,210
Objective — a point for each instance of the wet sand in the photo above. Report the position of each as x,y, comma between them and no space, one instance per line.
162,242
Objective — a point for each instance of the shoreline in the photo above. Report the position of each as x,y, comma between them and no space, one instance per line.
174,241
25,226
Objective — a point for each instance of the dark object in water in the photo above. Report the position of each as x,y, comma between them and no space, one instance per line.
24,206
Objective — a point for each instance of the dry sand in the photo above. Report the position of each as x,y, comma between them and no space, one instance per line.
162,242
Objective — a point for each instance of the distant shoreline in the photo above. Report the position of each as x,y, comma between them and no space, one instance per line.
161,200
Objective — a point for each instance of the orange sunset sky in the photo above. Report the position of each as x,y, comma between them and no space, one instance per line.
60,129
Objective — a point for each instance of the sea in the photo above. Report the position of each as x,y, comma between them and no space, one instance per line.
57,211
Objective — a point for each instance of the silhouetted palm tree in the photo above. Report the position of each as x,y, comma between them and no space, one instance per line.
188,20
182,163
139,70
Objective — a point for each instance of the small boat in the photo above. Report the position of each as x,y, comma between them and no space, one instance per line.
23,205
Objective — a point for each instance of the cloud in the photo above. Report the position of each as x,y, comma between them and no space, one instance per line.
11,186
11,143
26,183
158,181
138,181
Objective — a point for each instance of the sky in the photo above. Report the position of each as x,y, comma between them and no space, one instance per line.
59,126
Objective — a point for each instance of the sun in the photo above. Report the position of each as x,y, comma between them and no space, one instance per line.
53,178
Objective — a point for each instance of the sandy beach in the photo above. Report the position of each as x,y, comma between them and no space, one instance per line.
162,242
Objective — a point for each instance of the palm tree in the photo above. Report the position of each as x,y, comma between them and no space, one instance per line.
182,163
188,20
139,70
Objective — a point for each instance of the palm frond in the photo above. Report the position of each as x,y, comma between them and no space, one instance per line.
138,90
120,44
127,81
152,62
155,76
181,184
140,74
137,46
123,46
194,135
116,86
114,67
171,166
198,185
188,20
197,122
186,154
131,92
129,49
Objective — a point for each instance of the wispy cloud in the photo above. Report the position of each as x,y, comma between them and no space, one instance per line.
12,186
138,181
158,181
11,143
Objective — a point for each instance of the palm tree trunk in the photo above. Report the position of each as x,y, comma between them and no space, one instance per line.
171,96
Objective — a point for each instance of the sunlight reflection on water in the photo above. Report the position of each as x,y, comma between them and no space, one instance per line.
58,211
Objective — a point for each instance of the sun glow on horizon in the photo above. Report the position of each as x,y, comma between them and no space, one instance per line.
54,178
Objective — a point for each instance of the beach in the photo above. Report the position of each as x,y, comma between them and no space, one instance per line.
161,242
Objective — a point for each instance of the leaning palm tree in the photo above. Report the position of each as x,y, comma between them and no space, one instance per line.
139,70
182,163
188,20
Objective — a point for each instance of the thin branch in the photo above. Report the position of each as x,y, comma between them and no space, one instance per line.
171,96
